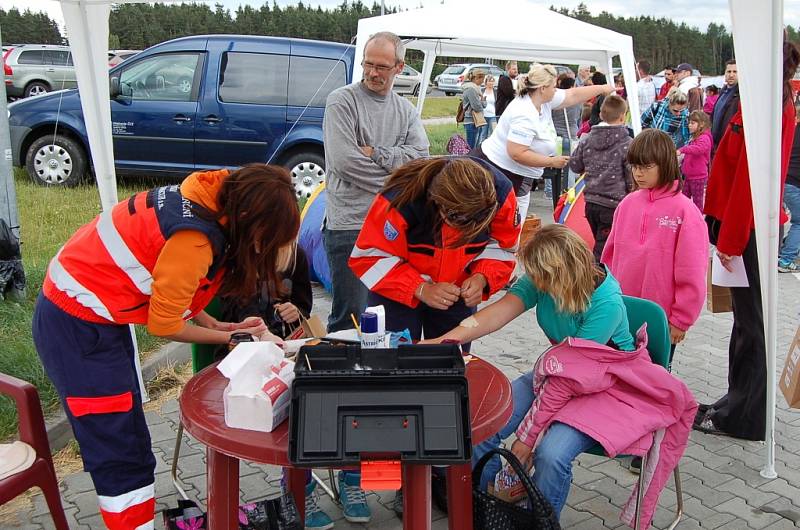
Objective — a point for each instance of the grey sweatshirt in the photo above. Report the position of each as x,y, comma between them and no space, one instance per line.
602,155
356,117
472,100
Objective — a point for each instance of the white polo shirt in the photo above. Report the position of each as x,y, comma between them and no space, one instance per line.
522,124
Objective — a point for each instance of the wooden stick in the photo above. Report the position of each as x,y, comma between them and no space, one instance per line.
355,323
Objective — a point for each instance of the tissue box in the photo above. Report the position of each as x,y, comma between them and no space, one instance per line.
258,395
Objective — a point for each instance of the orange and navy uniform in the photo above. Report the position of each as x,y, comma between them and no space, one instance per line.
156,259
398,249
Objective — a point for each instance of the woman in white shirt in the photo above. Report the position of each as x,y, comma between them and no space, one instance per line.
488,111
524,141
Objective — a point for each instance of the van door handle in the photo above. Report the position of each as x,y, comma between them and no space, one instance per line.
50,70
212,119
180,118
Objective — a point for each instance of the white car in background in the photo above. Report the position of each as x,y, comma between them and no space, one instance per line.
408,82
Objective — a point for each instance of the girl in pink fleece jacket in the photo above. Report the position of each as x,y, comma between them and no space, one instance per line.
658,245
696,157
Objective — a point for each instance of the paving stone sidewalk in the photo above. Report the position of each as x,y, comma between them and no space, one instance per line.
722,486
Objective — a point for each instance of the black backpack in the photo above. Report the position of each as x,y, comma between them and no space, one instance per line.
9,244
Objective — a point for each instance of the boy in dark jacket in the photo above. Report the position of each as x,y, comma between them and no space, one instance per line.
601,156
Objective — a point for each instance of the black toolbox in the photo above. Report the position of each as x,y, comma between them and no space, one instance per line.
409,403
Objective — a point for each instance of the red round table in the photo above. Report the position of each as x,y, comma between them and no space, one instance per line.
202,415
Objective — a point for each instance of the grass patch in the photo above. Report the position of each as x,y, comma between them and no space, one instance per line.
438,107
438,135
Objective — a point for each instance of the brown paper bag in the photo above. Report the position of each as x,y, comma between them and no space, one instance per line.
719,298
790,378
531,225
311,327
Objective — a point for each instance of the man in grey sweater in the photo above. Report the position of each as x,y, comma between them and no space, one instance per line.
369,131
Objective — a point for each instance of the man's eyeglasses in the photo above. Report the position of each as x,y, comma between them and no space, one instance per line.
380,68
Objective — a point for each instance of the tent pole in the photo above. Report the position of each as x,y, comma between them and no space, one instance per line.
427,69
771,310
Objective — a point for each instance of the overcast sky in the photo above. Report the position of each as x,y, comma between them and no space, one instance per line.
697,13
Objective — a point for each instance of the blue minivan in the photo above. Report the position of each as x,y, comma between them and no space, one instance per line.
194,103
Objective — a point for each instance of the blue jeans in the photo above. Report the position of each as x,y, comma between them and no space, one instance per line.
471,133
791,243
486,131
348,293
552,460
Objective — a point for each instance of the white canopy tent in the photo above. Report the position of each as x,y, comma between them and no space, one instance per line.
758,42
537,34
542,35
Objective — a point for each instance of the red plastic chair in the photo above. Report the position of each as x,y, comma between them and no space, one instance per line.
31,431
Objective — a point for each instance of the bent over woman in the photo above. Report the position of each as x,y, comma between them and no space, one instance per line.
439,239
155,259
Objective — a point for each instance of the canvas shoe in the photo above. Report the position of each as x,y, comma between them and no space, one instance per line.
316,519
353,498
788,266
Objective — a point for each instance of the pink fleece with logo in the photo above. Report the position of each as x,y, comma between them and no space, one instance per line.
658,250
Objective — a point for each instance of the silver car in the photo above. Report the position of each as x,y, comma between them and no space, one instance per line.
408,82
453,77
35,69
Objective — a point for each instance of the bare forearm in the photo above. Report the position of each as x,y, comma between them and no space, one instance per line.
199,335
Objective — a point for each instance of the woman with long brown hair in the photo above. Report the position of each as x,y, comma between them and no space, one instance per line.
155,259
439,239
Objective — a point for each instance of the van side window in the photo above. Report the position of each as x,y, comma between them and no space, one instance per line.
258,78
57,57
166,77
307,74
30,57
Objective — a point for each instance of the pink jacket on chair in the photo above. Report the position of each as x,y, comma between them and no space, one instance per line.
621,399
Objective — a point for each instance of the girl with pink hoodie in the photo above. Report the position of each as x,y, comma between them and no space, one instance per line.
658,245
697,157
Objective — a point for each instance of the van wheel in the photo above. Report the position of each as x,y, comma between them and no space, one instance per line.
449,93
36,88
56,161
307,170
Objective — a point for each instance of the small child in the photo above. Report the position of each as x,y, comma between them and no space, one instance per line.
712,95
696,157
601,155
658,246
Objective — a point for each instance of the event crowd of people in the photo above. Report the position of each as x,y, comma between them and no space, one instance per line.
432,238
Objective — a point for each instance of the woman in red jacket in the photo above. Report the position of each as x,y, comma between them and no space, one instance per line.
440,238
741,412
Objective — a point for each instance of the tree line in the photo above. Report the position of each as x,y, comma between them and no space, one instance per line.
137,26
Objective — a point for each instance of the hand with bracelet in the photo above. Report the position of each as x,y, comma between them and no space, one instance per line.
440,295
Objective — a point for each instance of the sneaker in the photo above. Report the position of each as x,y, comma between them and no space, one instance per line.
316,519
397,503
353,498
635,465
788,266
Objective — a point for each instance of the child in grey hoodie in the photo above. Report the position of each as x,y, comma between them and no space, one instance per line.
601,156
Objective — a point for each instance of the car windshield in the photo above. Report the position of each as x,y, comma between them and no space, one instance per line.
453,70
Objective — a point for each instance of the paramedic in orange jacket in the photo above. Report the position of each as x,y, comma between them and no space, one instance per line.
437,240
155,259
